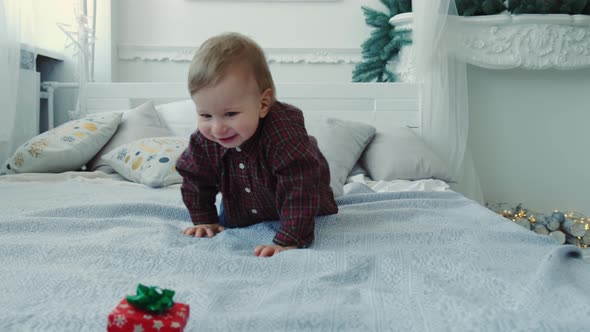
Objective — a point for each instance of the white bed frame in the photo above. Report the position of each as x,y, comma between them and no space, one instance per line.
373,103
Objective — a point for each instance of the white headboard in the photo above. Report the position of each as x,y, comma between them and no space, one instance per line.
373,103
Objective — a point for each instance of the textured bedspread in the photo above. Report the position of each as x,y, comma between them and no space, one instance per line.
411,261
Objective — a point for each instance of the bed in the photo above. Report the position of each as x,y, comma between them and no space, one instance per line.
404,252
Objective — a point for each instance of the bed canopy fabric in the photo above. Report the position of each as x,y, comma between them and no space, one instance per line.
445,118
9,70
16,29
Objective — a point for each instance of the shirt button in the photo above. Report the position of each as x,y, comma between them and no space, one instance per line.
247,190
242,166
238,149
254,211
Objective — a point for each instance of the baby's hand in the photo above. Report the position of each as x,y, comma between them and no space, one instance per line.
205,229
267,251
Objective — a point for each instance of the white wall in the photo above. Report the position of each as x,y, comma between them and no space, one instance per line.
530,137
302,39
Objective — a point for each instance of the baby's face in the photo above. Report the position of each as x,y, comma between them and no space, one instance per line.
229,111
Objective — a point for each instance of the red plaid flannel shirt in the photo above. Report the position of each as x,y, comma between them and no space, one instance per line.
278,174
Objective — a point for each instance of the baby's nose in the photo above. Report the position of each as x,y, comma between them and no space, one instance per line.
218,128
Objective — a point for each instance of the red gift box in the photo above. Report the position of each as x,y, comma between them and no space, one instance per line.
127,318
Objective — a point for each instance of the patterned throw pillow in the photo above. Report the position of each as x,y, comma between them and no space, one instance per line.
65,148
150,161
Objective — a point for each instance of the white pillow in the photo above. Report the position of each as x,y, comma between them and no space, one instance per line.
180,116
65,148
150,161
398,153
341,142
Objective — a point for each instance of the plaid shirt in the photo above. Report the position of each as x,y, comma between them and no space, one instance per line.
277,174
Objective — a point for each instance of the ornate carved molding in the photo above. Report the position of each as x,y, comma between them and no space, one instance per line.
519,41
523,41
274,55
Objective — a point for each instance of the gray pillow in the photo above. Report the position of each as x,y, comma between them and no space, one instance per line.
342,143
398,153
358,169
140,122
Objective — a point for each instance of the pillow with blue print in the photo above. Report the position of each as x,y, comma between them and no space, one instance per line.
149,161
64,148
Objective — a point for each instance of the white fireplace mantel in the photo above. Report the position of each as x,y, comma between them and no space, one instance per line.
529,41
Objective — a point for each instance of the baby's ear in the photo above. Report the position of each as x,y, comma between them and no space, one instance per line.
266,101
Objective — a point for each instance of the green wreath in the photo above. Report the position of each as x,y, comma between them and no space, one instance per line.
549,7
384,43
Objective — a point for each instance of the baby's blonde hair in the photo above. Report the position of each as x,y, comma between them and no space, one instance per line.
217,53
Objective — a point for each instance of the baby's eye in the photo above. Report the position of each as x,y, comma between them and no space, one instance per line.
230,114
205,116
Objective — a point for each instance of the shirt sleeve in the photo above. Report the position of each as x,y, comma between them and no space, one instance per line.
296,166
199,184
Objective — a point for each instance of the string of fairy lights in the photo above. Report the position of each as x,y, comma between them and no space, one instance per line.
565,227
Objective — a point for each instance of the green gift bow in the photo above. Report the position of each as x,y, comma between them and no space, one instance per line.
152,299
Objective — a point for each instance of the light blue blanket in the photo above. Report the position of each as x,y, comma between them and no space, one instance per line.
411,261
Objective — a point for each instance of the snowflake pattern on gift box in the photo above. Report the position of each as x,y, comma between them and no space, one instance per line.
158,325
120,320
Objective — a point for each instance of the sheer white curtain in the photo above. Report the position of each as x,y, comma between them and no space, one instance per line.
445,117
10,22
